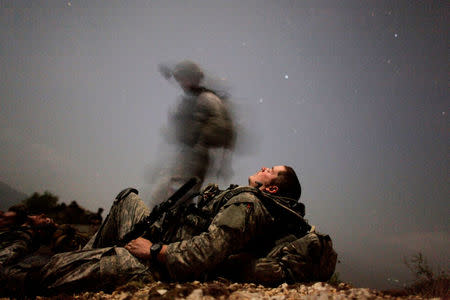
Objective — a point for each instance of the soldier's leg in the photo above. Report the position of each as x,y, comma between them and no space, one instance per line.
98,265
124,213
191,161
22,278
95,269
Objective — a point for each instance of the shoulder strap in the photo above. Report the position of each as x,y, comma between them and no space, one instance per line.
224,196
265,198
238,190
272,203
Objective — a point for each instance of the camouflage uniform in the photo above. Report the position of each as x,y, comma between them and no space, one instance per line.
308,258
18,260
15,244
201,122
100,264
226,229
23,254
270,247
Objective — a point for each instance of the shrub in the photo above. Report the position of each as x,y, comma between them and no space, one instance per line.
335,279
41,203
428,283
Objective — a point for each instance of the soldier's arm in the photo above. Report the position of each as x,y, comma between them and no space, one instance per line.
17,246
234,226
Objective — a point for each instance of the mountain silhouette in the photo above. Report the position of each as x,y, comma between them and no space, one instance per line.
9,196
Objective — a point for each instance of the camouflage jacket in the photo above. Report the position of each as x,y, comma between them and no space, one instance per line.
237,234
15,244
202,118
239,226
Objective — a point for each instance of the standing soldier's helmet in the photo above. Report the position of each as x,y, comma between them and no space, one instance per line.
188,70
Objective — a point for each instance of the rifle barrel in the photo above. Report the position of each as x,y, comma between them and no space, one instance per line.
184,188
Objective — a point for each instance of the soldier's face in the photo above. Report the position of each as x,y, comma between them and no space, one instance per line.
265,176
41,220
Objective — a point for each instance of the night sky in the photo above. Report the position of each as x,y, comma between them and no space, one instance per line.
352,94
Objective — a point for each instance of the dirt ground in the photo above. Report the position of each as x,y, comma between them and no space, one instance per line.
225,290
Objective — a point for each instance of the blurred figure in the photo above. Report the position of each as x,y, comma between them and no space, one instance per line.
18,217
200,127
21,235
27,241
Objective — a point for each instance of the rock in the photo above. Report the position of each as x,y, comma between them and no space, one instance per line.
161,291
343,286
242,295
320,286
196,294
236,291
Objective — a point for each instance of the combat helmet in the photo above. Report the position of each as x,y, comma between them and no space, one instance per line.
189,70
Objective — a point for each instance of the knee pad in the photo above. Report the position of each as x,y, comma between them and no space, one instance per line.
124,193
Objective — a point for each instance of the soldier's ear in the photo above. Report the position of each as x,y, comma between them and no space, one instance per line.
272,189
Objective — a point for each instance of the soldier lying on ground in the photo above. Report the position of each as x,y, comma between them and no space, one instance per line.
22,234
256,228
22,237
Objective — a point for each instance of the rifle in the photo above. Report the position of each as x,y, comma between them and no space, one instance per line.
159,212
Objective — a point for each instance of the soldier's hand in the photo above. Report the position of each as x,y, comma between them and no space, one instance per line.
139,247
165,71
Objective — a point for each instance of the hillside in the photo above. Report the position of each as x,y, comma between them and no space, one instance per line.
9,196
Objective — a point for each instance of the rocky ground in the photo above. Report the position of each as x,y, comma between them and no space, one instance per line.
236,291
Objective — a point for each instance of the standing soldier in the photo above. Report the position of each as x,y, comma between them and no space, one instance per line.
201,122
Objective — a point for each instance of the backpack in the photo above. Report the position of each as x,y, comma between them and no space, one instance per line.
220,131
309,258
